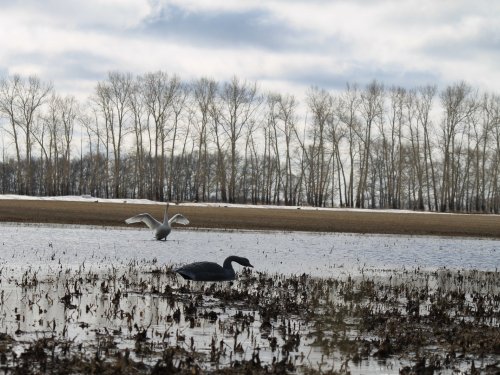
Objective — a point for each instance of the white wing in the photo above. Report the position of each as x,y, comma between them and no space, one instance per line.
178,218
147,219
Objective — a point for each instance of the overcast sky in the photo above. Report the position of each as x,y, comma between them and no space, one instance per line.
285,45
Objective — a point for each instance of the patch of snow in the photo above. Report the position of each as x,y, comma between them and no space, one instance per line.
89,198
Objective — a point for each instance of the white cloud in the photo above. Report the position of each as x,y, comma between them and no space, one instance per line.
75,14
289,44
212,6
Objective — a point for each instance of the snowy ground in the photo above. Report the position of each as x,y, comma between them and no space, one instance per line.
88,198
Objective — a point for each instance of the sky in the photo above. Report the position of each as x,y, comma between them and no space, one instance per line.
287,46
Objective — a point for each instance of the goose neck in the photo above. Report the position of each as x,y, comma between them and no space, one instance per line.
228,263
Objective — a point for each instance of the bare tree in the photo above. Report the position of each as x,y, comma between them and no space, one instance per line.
20,100
282,120
417,150
139,126
457,105
337,133
239,102
319,158
217,136
9,89
392,149
31,97
69,112
89,160
48,134
159,90
273,119
255,166
205,91
105,109
348,113
481,123
493,110
371,110
118,88
180,96
424,100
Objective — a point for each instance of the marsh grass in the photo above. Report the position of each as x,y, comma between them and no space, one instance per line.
143,318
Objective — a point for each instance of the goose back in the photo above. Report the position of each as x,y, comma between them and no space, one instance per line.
206,271
210,271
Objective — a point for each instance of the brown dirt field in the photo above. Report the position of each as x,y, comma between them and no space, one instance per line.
114,214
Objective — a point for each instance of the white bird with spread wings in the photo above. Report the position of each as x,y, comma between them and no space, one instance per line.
161,230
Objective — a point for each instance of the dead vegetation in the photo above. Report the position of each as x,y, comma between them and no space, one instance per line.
145,319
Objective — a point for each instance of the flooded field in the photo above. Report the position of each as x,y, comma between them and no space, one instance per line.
83,300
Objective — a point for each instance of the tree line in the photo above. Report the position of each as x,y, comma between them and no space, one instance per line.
158,137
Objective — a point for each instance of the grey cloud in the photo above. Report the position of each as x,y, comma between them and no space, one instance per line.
486,42
68,65
254,28
85,65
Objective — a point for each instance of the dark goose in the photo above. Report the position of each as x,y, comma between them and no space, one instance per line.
210,271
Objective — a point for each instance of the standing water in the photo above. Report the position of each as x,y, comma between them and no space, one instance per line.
341,302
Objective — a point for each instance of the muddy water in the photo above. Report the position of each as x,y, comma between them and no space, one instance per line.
364,304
